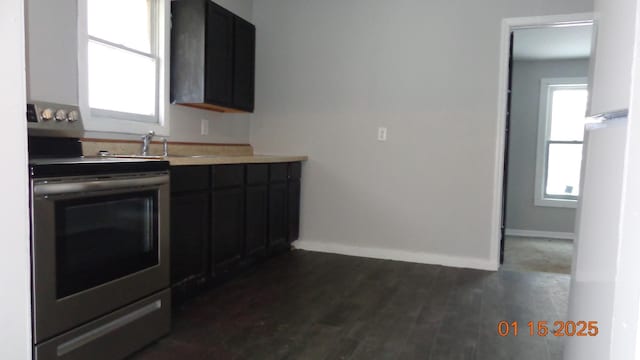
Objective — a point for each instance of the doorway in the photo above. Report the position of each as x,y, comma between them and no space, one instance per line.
543,103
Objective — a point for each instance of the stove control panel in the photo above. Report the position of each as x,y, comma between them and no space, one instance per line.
52,119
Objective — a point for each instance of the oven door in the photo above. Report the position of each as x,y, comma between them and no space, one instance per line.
98,245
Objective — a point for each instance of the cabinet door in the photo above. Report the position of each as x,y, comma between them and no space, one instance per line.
189,236
188,19
219,55
227,234
293,210
277,216
294,176
244,64
256,220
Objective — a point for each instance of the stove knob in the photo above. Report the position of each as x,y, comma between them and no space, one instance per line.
73,116
61,115
47,114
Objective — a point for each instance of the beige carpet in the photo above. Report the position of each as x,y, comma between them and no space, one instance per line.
535,254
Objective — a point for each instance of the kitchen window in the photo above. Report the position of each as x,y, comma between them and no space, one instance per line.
563,104
122,68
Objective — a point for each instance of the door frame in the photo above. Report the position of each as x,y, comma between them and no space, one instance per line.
508,26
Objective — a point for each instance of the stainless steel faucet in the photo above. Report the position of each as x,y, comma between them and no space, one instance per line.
146,141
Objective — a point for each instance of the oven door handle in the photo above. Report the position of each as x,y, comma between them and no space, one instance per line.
97,185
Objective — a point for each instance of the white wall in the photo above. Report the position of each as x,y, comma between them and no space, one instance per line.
522,213
605,283
625,322
15,298
330,72
597,239
626,325
610,80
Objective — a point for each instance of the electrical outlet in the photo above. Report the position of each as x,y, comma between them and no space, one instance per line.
204,127
382,134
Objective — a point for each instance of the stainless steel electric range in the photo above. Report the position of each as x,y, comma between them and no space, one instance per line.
100,245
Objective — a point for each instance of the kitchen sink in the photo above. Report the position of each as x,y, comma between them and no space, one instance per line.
138,156
195,156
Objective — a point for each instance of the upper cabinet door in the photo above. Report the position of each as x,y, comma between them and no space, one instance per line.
244,64
188,20
611,67
219,56
212,57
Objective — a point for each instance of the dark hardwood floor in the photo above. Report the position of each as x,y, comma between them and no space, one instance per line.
306,305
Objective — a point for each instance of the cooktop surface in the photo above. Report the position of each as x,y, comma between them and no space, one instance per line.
86,160
84,166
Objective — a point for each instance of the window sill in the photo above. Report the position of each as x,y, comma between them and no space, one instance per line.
113,125
558,203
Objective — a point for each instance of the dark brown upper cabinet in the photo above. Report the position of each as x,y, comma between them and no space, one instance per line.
212,57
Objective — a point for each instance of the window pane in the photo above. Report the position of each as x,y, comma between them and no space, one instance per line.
124,22
121,80
563,170
568,109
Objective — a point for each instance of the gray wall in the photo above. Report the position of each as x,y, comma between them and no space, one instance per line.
330,72
522,214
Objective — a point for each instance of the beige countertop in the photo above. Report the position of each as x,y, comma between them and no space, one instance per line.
231,159
186,153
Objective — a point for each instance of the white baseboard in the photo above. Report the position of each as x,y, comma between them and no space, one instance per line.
540,234
398,255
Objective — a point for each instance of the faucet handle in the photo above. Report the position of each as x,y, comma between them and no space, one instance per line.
165,147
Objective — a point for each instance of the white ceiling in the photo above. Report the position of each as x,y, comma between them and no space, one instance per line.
552,43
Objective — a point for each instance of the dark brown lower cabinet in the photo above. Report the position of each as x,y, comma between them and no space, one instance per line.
227,229
278,217
227,216
190,218
257,207
293,212
256,211
294,178
189,230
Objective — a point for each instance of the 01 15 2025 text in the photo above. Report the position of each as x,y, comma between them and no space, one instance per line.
546,328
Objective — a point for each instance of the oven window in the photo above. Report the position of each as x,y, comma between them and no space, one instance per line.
99,239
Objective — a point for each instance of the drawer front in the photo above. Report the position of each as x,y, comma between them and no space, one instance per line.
278,172
113,336
189,178
257,174
295,170
227,175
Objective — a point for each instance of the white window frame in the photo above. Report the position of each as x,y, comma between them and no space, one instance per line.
118,122
544,128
